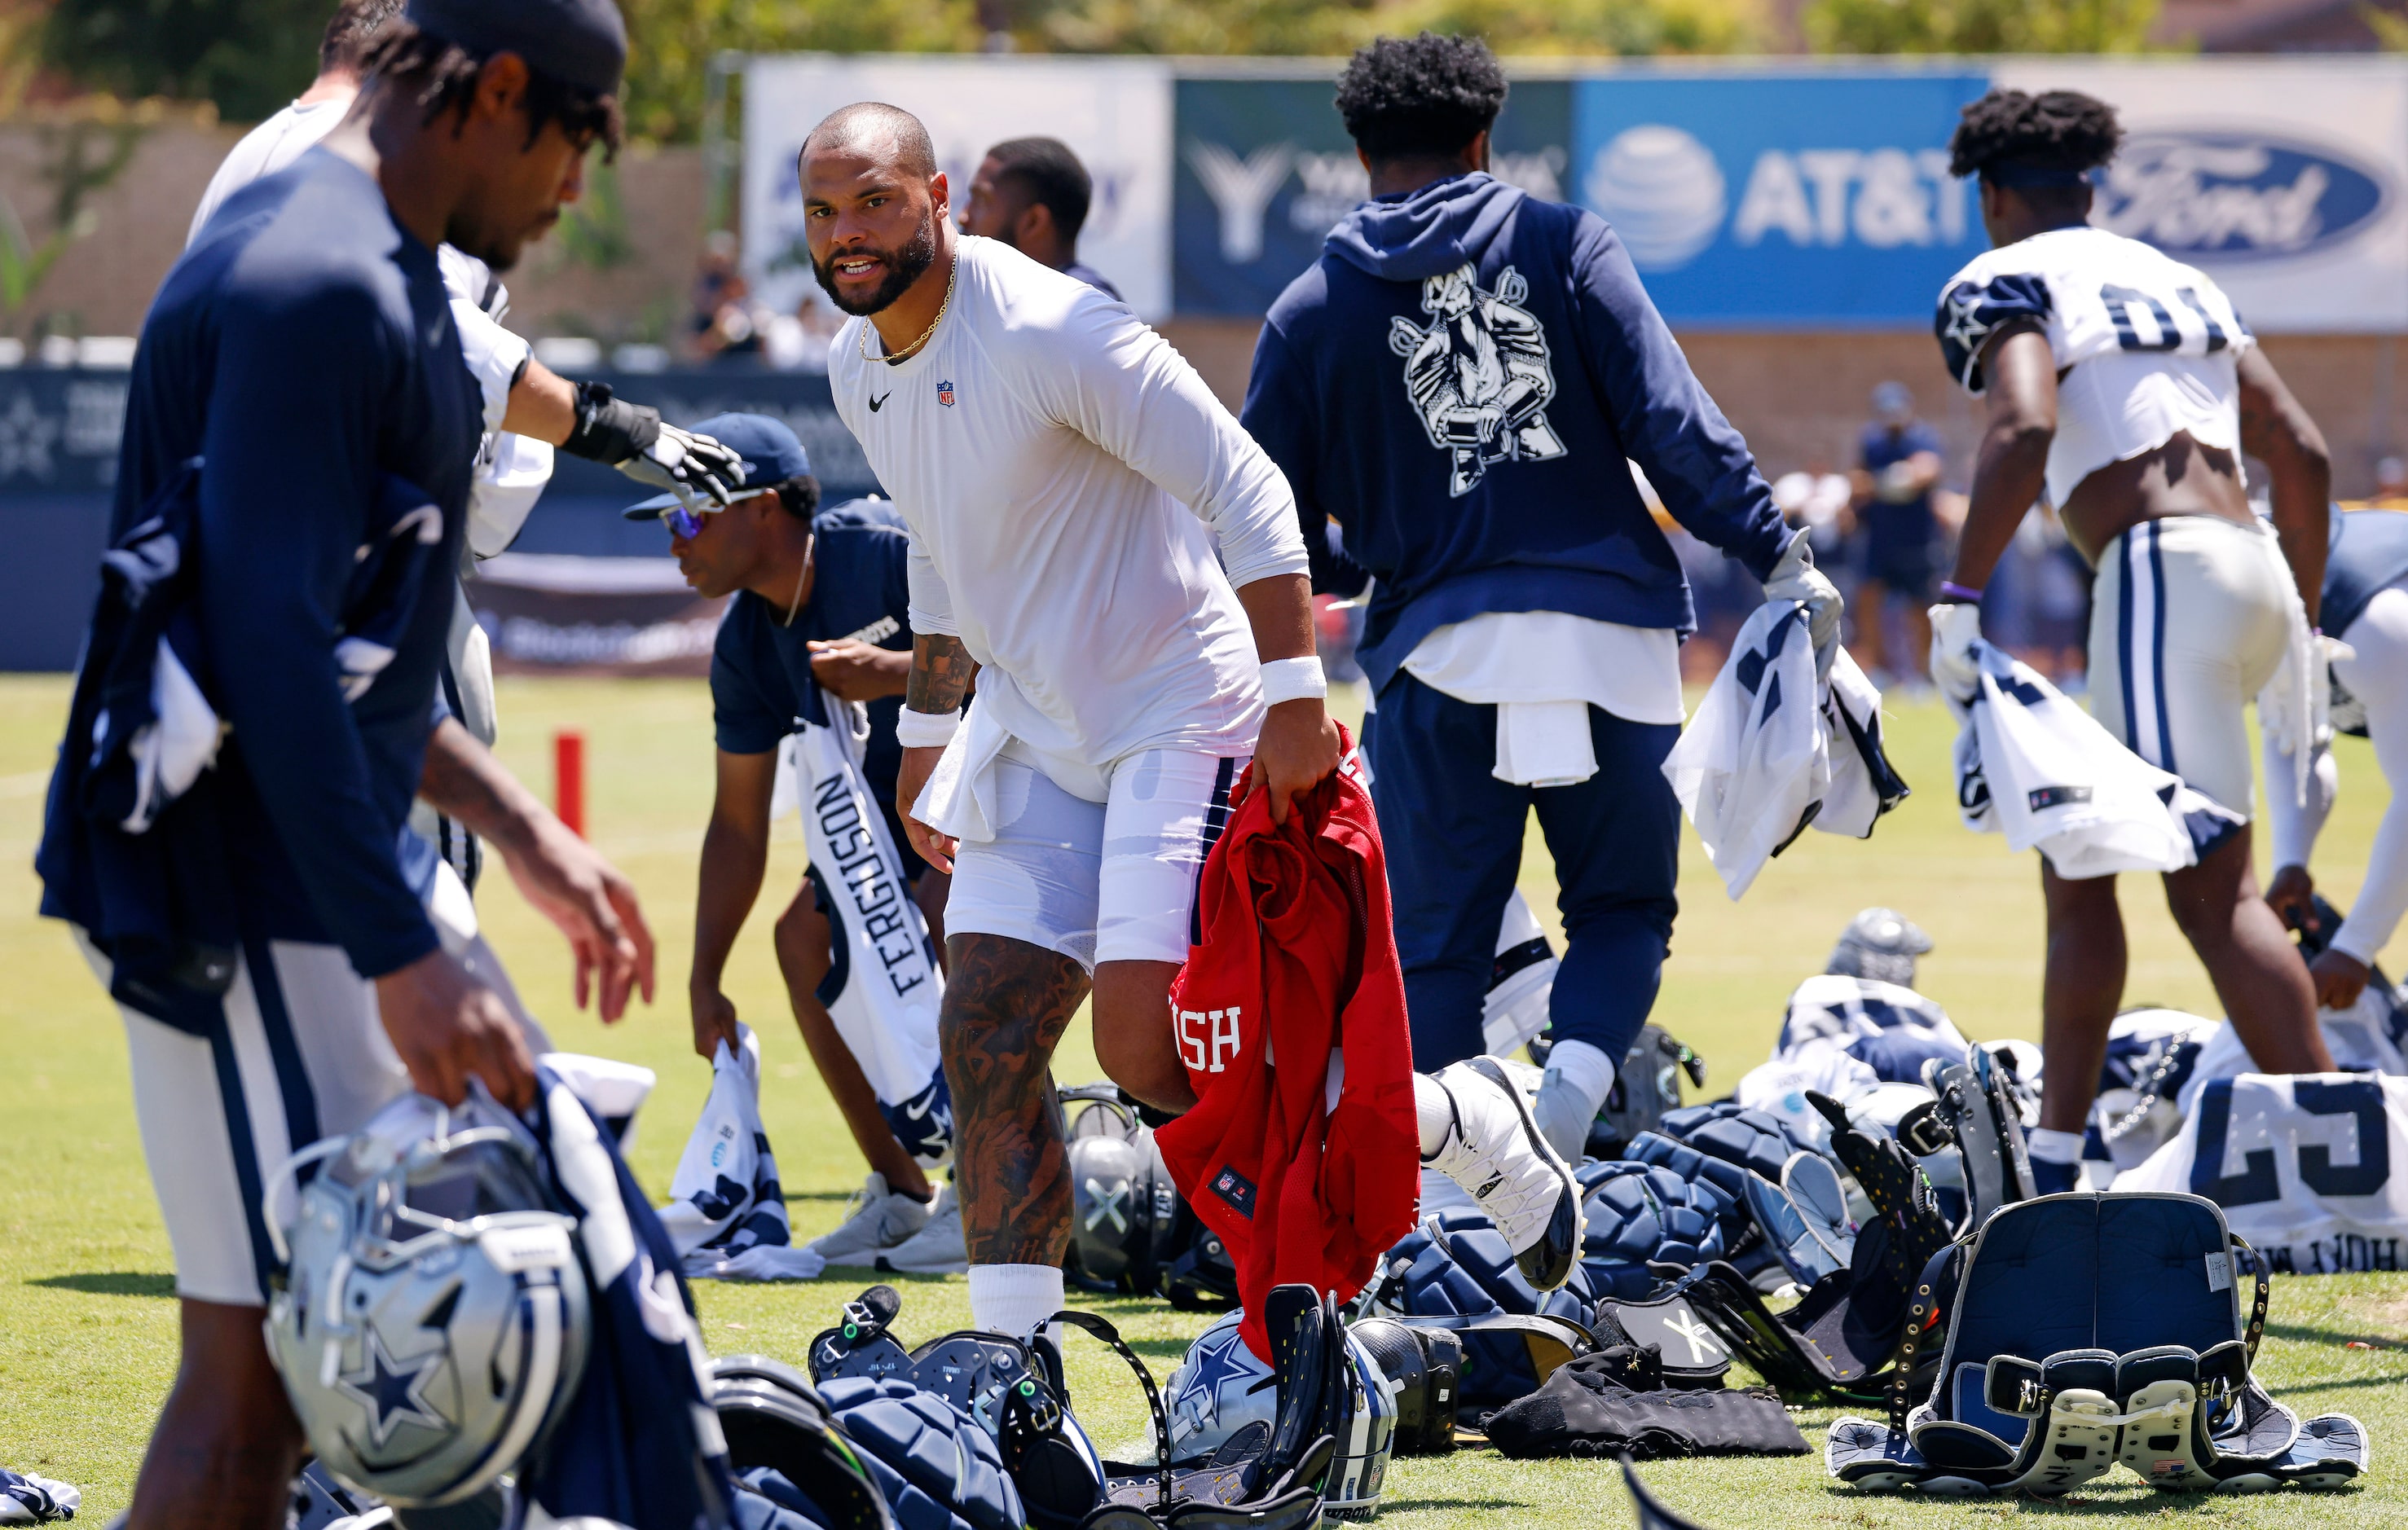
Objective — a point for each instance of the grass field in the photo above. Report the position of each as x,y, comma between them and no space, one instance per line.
88,1322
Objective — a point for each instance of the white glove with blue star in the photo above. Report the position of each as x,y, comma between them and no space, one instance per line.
1796,577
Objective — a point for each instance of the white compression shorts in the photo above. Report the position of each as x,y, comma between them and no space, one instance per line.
2190,616
2377,676
1099,864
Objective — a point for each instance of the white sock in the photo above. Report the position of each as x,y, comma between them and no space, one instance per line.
1014,1299
1435,1112
1584,1067
2051,1146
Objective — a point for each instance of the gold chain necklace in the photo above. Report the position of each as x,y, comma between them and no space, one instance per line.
896,358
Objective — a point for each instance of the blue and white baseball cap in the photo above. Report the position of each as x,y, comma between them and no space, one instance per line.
770,452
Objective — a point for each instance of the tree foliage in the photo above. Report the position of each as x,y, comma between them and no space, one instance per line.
248,56
1979,26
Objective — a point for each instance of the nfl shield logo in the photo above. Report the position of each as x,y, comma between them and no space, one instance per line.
945,394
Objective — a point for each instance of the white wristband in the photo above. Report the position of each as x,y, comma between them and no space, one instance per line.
927,730
1293,680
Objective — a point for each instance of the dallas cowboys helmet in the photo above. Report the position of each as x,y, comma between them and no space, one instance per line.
433,1318
1124,1206
1222,1386
1881,944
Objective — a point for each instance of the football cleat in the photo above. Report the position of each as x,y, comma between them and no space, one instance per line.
1495,1151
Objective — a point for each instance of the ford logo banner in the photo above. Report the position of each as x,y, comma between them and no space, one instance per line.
2233,196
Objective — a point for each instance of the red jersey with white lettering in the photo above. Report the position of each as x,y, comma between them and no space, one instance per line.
1301,1153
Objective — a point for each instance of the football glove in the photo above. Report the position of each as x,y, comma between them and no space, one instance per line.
1796,577
632,438
1956,627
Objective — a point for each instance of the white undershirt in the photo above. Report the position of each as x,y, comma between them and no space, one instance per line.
1542,670
1063,473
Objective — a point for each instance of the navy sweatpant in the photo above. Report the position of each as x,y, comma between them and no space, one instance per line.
1453,833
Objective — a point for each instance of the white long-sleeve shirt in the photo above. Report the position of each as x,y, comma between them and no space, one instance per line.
1063,475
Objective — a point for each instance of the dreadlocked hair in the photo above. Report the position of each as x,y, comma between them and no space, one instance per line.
2057,130
1406,97
445,75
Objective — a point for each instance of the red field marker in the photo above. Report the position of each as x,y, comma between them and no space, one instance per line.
568,779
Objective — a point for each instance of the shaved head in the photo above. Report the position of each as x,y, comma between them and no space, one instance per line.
872,130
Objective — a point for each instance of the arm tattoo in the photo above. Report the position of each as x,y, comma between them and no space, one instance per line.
1006,1005
941,668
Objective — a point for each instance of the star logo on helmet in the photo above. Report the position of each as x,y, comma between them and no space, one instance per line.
1219,1359
393,1391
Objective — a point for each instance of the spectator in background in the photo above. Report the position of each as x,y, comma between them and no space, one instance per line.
1033,195
2390,486
1898,466
798,341
1823,502
727,324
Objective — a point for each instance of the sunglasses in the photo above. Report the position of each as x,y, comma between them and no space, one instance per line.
682,523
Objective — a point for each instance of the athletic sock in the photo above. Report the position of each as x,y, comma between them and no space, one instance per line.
1434,1111
1014,1299
1579,1076
2055,1159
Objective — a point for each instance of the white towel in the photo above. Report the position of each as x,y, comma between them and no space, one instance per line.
1544,743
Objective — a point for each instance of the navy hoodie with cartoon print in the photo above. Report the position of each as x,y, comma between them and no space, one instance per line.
1457,382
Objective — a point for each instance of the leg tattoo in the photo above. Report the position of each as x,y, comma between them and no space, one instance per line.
1007,1003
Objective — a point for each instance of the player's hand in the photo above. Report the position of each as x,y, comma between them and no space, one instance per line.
2340,978
1298,749
1796,577
594,906
850,670
2292,895
938,849
1956,627
703,474
449,1027
714,1022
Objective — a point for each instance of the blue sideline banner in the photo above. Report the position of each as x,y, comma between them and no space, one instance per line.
1771,200
1265,170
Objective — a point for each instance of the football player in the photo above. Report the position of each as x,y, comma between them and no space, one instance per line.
2121,385
2366,607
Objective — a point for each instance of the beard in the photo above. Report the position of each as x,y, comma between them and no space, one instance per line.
904,267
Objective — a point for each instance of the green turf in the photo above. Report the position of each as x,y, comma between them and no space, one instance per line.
87,1322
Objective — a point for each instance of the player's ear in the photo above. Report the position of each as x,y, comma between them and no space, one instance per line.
501,87
1035,222
940,192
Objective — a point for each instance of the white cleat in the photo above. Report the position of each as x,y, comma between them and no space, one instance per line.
1495,1151
937,1249
879,1218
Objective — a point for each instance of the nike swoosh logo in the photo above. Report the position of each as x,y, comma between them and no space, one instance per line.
876,403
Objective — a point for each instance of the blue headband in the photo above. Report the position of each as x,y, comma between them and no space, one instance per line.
2023,176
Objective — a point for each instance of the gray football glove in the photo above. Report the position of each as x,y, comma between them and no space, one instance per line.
1796,577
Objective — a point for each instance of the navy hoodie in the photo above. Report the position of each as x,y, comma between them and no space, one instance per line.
1456,382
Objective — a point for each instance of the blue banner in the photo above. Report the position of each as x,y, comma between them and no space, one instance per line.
1781,201
1265,170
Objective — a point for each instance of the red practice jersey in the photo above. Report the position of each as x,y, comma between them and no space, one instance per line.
1302,1152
